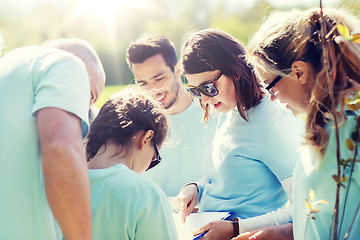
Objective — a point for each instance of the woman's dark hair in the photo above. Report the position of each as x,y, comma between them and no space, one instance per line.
121,117
213,49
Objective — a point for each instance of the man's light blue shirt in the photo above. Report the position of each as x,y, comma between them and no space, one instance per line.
32,78
186,152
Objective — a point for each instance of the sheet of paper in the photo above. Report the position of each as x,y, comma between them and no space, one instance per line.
194,221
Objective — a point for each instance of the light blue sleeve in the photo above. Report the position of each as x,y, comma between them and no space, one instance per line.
156,220
60,80
281,150
314,172
201,184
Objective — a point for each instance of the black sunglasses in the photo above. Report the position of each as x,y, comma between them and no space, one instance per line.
208,88
272,84
155,161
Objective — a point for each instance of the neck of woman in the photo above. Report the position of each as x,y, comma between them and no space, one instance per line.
109,155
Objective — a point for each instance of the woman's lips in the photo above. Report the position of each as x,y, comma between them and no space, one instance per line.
217,105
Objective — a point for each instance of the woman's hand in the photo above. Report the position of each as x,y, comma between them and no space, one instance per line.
280,232
217,230
186,200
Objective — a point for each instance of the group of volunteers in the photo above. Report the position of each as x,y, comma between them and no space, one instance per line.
267,131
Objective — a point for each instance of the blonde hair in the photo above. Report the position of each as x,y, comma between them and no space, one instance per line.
286,37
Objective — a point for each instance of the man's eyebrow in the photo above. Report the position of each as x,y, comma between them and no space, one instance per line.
158,75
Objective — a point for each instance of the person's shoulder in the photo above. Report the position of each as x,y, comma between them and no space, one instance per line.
278,111
57,55
35,60
23,54
119,178
133,181
147,185
274,106
148,188
40,57
277,118
35,51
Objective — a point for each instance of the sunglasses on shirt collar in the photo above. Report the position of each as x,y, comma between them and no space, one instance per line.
207,88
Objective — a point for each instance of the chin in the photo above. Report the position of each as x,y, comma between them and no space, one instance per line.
295,113
220,110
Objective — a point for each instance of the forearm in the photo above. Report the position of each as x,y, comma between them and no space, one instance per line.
273,218
65,172
279,232
279,217
67,191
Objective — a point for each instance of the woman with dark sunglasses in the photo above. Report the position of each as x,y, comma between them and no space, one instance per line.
123,143
255,147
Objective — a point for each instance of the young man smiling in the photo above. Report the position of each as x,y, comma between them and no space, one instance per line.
153,61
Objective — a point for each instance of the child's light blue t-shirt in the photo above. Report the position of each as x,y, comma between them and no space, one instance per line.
127,206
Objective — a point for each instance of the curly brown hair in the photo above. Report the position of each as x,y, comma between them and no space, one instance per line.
121,117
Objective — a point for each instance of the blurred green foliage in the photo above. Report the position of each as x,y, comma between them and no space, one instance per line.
56,19
106,94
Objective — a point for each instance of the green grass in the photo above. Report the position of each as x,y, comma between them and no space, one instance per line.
106,94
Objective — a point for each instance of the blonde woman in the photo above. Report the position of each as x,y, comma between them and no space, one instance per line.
302,56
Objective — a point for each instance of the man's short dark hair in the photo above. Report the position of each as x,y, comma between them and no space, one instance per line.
150,45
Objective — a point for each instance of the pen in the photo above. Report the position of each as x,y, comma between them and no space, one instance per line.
200,235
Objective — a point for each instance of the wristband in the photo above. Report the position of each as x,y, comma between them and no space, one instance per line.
235,223
193,183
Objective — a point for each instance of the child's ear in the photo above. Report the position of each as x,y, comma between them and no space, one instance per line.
146,138
301,70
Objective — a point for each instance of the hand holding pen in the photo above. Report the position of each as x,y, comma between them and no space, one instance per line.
223,230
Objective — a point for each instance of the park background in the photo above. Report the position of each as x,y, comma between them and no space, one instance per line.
111,25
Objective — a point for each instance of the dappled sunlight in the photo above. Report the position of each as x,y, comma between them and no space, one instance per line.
106,9
110,25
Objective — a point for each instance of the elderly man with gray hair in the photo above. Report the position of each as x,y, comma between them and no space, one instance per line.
45,93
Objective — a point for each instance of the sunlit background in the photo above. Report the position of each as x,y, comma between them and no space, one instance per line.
110,25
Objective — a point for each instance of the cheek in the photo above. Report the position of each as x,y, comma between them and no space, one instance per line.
228,93
295,99
297,95
168,84
173,84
